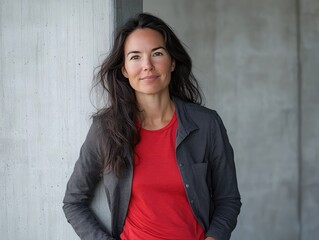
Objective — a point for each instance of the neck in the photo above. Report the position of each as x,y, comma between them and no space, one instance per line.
156,112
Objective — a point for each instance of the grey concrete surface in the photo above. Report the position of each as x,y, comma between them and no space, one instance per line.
125,9
48,50
246,58
309,55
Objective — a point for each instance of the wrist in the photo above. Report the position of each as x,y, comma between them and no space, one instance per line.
210,238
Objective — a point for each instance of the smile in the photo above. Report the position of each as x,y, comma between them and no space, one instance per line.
151,77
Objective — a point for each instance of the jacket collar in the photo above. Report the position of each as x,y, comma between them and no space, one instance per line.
185,123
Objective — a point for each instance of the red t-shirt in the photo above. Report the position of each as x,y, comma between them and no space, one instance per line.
159,208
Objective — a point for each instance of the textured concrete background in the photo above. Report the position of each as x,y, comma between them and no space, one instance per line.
309,87
48,50
257,62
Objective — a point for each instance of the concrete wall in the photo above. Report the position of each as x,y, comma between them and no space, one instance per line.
257,62
48,50
309,121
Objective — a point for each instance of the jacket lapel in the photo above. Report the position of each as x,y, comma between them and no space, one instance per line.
185,122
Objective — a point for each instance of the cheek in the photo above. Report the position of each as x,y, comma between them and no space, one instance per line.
132,69
165,65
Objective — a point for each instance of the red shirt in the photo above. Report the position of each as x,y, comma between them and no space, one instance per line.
159,208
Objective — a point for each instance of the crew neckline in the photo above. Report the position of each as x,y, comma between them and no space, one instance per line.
167,126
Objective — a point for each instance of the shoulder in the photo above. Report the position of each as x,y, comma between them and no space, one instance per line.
100,122
196,112
95,128
94,137
193,108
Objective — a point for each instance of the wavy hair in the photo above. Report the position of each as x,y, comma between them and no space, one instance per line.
119,132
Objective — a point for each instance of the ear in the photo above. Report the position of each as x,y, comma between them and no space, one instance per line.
124,72
173,65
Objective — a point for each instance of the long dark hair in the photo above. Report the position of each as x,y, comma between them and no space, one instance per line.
119,132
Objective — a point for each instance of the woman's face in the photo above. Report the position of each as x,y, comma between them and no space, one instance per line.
147,64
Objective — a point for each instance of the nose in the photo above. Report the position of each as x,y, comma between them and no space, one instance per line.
147,64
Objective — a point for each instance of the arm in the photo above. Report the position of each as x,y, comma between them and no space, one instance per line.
225,194
80,190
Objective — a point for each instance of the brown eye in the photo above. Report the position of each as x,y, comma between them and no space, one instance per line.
135,57
158,54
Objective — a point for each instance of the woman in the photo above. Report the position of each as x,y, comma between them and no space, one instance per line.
165,160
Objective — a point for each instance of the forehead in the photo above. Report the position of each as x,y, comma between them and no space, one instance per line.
143,38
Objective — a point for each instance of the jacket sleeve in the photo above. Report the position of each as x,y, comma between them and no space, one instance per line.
80,190
225,193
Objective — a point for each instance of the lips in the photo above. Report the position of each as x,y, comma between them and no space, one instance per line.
150,77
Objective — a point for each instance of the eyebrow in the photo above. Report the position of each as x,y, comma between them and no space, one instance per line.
154,49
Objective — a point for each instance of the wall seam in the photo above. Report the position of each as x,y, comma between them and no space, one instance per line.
299,115
125,9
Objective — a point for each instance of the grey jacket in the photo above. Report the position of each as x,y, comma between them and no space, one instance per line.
206,163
